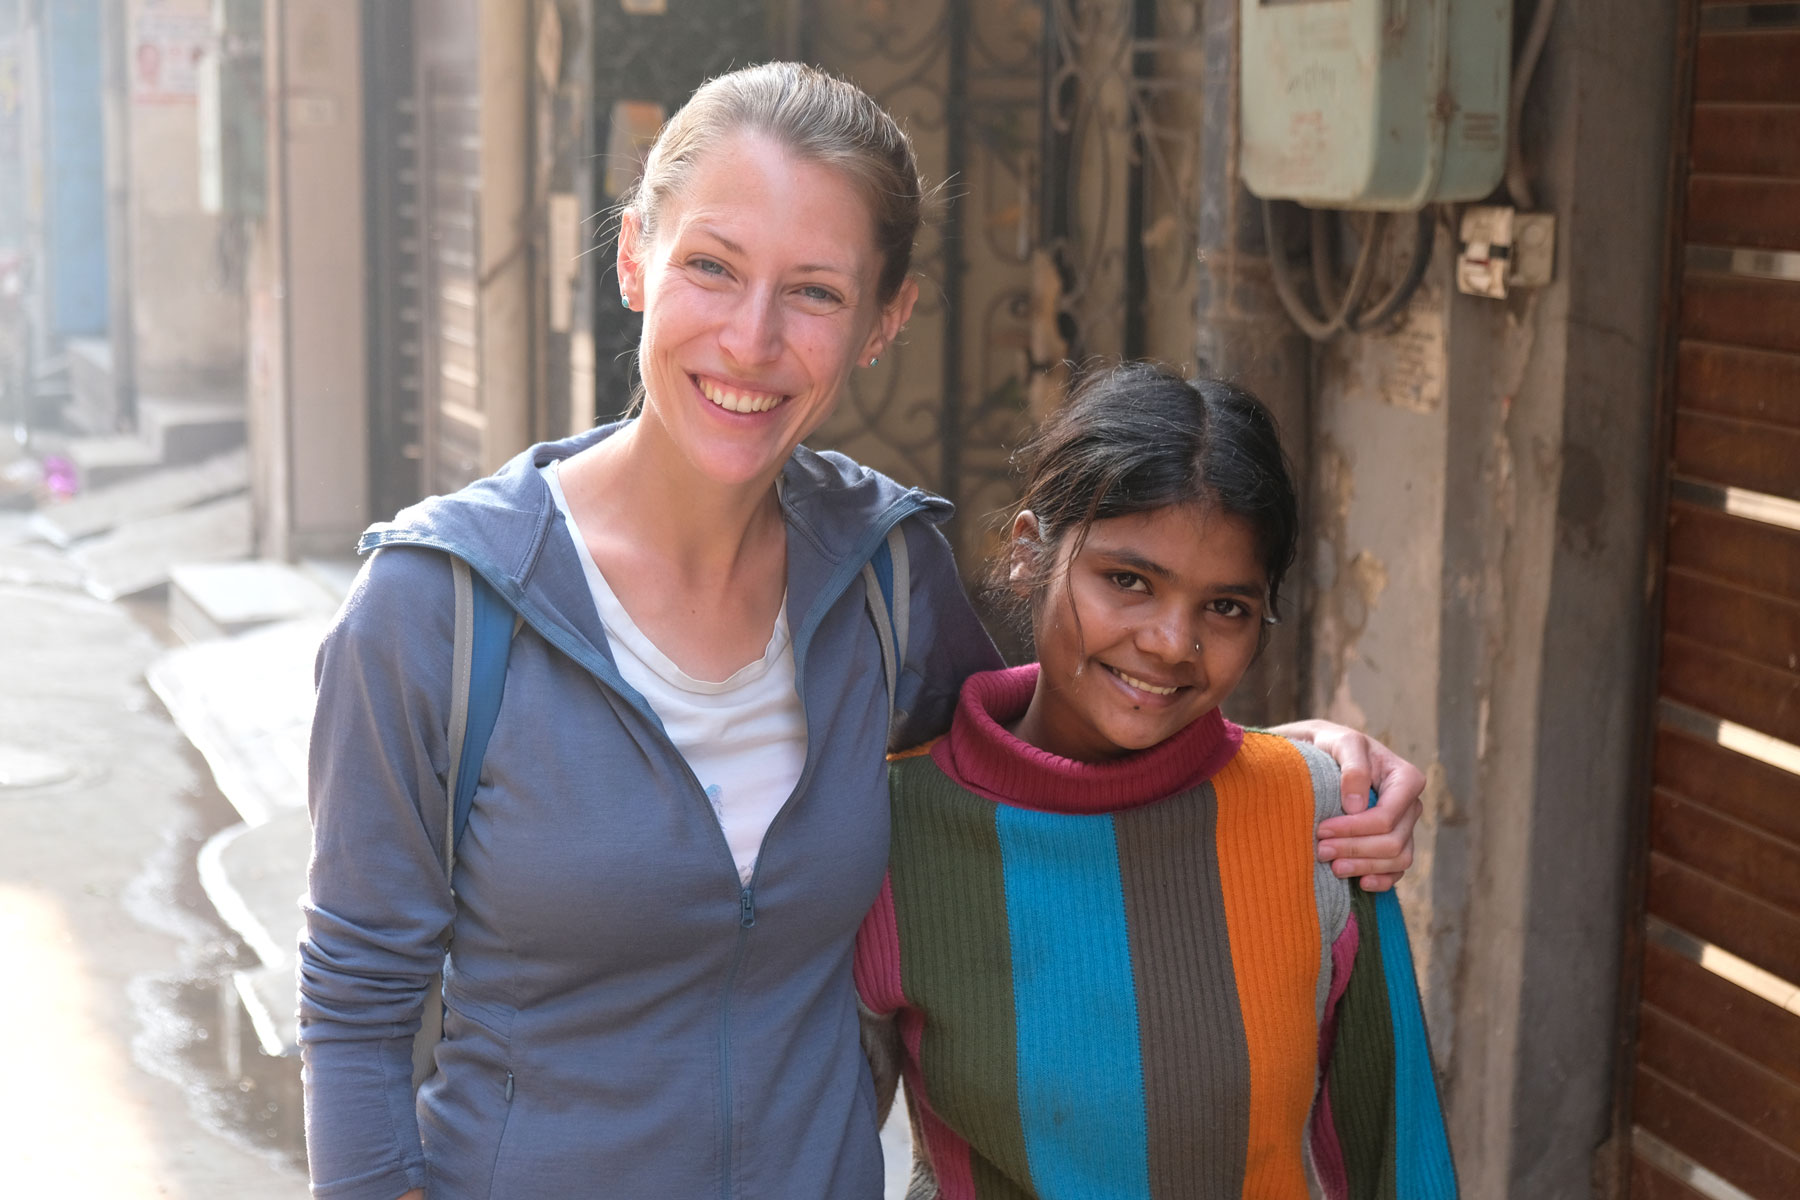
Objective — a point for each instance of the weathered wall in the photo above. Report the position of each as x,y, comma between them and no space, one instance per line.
308,350
1480,481
187,300
506,255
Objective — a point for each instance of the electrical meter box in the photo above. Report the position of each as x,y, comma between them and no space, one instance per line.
1374,104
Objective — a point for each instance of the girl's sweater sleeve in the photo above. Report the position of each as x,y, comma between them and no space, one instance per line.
1378,1130
378,905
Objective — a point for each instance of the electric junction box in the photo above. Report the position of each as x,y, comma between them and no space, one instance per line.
1501,249
1374,104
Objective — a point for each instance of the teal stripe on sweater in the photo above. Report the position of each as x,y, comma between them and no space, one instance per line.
1423,1147
1081,1083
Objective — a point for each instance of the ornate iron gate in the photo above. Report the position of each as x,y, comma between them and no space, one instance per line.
1064,135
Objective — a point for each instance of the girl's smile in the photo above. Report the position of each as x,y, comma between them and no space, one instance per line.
1143,628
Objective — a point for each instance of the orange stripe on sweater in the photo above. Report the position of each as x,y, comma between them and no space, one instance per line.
1265,843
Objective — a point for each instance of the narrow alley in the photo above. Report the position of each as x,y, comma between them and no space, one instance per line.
112,953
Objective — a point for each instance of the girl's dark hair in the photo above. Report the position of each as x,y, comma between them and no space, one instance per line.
1138,437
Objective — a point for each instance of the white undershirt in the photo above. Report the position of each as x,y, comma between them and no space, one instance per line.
744,737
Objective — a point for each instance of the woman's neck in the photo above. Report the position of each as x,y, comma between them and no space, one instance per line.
639,487
700,566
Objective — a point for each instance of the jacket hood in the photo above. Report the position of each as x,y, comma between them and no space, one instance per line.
499,524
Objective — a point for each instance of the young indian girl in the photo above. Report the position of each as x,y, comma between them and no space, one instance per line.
1112,966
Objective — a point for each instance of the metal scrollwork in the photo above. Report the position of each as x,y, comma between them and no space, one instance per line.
964,80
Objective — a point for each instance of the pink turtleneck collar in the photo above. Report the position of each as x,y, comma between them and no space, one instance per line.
980,755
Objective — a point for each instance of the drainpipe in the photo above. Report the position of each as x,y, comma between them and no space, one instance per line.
1243,335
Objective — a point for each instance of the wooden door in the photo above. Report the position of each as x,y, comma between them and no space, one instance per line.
1715,1095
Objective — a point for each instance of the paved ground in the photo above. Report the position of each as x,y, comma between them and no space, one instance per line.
110,951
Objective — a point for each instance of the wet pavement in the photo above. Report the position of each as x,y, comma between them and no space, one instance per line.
123,1070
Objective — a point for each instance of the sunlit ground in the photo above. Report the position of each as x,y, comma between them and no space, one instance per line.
69,1131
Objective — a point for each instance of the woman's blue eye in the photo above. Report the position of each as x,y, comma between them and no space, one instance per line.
815,292
708,267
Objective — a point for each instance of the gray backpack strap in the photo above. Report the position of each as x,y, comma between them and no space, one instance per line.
462,659
896,540
890,618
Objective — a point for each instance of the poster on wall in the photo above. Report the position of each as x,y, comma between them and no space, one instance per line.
9,100
167,47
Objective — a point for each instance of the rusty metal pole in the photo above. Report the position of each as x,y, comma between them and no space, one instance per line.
1244,335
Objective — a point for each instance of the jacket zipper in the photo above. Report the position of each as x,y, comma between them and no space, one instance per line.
747,896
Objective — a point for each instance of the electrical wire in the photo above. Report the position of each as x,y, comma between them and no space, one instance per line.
1424,238
1518,182
1319,327
1350,311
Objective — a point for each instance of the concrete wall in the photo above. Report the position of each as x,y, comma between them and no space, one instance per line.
1481,479
187,299
309,419
508,216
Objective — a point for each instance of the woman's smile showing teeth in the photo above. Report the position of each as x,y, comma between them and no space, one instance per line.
1142,685
738,400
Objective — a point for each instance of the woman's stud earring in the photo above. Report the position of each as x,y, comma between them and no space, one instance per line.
624,300
873,361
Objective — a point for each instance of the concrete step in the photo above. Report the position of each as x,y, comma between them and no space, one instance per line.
214,600
139,555
255,876
335,575
104,460
148,495
185,430
245,702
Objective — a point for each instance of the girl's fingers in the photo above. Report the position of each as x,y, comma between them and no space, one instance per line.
1389,818
1364,856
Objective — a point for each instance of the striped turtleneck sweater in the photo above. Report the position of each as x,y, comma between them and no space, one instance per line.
1131,979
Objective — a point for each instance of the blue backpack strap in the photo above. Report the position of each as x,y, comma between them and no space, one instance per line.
485,624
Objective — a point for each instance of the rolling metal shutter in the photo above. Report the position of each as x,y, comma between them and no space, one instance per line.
1715,1108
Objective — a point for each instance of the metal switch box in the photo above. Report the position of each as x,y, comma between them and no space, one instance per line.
1374,104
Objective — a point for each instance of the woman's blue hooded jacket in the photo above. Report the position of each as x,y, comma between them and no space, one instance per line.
623,1017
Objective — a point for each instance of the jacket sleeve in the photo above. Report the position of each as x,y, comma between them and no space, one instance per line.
1378,1129
378,908
945,644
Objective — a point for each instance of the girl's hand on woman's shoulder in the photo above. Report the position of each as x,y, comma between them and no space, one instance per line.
1373,842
